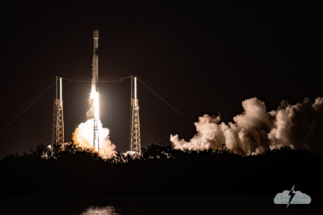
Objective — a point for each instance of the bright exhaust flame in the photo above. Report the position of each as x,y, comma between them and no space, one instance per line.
84,133
94,96
96,113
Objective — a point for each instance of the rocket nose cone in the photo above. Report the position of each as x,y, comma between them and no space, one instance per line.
96,34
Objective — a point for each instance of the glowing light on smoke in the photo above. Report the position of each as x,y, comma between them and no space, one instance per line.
94,96
108,210
255,130
83,134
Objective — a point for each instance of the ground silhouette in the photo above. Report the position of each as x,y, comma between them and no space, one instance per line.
161,170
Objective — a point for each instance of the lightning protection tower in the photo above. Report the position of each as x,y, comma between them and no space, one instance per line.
58,119
135,144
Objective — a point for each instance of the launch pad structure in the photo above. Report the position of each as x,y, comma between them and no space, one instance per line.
135,144
58,119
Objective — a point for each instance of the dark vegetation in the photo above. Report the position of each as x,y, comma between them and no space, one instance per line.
160,171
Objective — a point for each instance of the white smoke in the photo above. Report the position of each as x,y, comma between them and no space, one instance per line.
297,126
209,135
108,210
83,135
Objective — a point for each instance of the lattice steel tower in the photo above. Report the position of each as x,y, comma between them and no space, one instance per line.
58,119
135,144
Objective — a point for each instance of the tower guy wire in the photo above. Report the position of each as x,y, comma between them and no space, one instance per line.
31,103
86,80
166,102
22,107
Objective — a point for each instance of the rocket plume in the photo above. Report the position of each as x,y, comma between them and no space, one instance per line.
91,133
83,136
295,126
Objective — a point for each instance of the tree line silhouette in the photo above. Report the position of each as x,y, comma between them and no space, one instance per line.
161,170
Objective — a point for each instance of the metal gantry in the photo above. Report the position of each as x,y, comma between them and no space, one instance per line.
58,118
135,144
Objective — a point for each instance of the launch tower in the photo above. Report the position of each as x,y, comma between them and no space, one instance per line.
58,119
135,144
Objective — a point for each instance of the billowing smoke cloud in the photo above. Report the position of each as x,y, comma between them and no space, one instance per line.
83,135
296,126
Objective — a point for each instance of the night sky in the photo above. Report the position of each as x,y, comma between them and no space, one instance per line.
201,57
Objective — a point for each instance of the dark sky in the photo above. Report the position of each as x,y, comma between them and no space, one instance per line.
201,57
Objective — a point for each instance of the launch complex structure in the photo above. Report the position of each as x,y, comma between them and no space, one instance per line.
58,120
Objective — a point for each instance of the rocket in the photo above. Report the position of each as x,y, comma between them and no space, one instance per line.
95,89
95,63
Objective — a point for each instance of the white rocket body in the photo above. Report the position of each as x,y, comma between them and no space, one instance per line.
95,64
95,89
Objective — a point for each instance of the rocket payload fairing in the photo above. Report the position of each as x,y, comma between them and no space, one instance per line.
95,89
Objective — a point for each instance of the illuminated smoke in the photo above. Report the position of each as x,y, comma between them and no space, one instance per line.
94,103
209,135
83,135
296,126
108,210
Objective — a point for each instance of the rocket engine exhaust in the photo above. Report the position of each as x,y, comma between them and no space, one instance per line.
91,133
